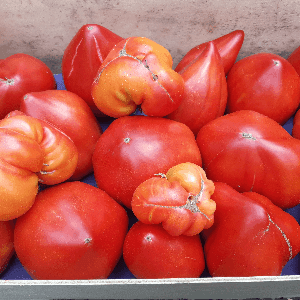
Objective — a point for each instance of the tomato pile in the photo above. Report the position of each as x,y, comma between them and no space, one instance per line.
194,171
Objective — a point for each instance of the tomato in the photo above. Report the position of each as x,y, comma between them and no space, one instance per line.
150,252
20,74
6,243
266,83
179,200
205,90
137,71
251,152
294,59
83,57
31,151
135,148
71,114
73,231
228,46
250,236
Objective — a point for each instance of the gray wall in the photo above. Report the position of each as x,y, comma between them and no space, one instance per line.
43,28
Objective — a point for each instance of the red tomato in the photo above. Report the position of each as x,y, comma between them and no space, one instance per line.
135,148
228,46
179,200
252,152
294,59
250,236
20,74
6,243
266,83
150,252
83,57
73,231
30,152
71,114
137,71
205,90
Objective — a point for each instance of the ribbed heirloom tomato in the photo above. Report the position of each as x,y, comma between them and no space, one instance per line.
72,115
180,200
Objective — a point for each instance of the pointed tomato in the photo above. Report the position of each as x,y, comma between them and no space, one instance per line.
83,57
228,46
205,90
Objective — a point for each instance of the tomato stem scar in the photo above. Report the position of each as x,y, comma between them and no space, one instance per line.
8,81
248,136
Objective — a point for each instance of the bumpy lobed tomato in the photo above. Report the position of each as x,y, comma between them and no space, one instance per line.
83,57
250,236
70,114
266,83
228,47
205,90
137,71
31,151
251,152
73,231
150,252
20,74
179,200
133,148
6,243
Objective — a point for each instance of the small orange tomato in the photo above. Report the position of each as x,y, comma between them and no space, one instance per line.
180,200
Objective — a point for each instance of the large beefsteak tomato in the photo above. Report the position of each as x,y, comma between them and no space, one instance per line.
135,148
250,236
251,152
73,231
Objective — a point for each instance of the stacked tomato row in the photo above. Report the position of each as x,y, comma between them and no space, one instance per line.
207,168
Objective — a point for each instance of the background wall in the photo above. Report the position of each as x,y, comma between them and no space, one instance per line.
43,28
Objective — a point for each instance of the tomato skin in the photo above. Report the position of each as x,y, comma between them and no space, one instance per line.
179,200
134,148
244,231
6,243
294,59
266,83
137,71
70,114
205,90
20,74
83,57
150,252
228,46
252,152
73,231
